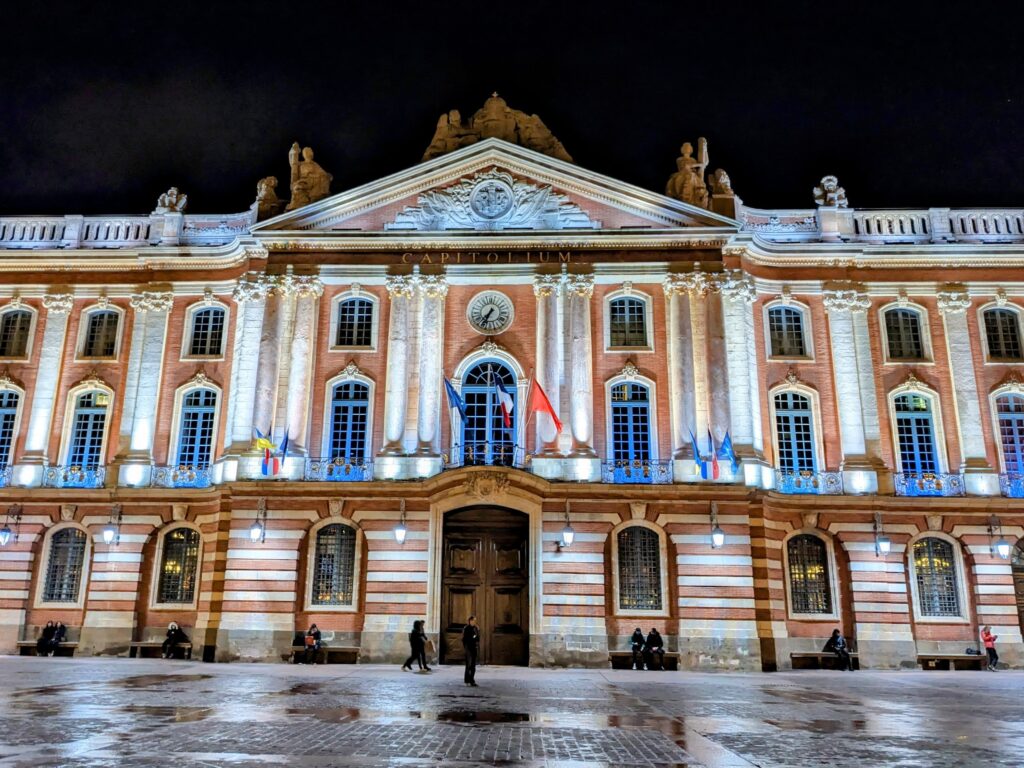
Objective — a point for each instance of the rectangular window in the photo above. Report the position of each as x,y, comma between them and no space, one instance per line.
903,332
1002,332
786,332
101,335
14,329
8,413
64,569
627,323
355,323
207,333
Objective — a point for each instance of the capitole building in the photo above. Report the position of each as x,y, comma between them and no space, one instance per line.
834,393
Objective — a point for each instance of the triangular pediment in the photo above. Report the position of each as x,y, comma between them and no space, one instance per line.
493,186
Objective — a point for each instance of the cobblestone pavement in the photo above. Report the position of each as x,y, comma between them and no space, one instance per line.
120,712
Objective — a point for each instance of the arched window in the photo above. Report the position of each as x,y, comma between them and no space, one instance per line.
14,331
639,569
334,565
1002,334
101,334
8,416
195,436
178,566
64,567
85,448
627,322
631,432
350,410
938,593
809,587
786,332
207,338
915,434
903,334
794,432
1010,412
488,433
355,323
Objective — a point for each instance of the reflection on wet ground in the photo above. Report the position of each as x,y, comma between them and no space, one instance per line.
120,712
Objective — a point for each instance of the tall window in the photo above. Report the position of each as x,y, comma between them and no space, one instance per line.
627,323
14,330
809,588
195,438
935,571
915,433
485,437
101,334
794,432
786,332
178,566
334,565
8,414
1010,411
64,568
1002,332
639,569
631,431
85,449
350,409
355,323
207,333
903,333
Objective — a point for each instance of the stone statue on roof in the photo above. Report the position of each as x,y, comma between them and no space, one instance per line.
830,194
309,182
171,201
687,183
267,202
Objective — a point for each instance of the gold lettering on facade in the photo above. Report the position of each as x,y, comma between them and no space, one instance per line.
491,257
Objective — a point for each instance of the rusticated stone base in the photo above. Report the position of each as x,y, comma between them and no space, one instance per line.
104,641
708,654
586,651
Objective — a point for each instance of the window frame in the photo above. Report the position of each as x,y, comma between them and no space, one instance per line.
357,567
983,332
29,343
925,330
806,326
938,430
833,577
325,422
652,412
174,439
993,405
188,327
819,445
154,591
336,302
617,573
69,418
648,304
83,329
959,572
19,411
44,568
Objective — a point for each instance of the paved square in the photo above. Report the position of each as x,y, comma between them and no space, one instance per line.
120,712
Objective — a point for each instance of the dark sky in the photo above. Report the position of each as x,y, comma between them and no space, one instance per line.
102,107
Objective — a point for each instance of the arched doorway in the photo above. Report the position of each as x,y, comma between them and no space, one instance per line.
485,573
489,433
1017,565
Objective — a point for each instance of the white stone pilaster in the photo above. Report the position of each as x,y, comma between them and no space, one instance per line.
433,290
300,373
401,289
737,296
265,397
250,294
549,355
580,289
718,369
680,364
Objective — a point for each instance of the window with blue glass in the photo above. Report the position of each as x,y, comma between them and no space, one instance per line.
207,333
631,432
8,414
355,323
1002,334
786,332
915,434
903,334
794,432
485,438
350,410
1010,412
627,322
195,438
14,329
101,334
85,449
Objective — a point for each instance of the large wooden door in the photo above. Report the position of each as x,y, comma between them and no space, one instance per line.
485,573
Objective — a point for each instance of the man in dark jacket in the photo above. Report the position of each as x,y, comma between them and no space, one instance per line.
471,643
837,644
175,636
636,643
654,650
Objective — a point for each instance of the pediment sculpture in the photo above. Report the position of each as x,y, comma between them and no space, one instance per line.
309,182
689,183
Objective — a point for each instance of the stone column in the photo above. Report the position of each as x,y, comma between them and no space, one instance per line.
718,372
265,396
979,477
433,290
250,294
134,458
308,290
738,294
700,285
51,354
400,289
580,288
549,354
680,366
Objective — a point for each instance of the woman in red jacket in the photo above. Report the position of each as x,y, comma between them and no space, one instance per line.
990,647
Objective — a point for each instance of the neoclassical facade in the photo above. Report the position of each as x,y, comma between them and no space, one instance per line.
836,393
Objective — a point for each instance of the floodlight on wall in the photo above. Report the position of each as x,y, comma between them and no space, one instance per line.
400,529
568,534
717,534
258,530
882,543
1000,546
7,536
112,530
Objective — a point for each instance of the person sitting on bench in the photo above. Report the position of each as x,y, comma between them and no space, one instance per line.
175,636
312,643
45,638
837,645
654,650
637,644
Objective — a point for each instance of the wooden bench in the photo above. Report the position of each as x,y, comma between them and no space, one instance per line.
820,660
28,648
145,648
328,654
949,662
624,660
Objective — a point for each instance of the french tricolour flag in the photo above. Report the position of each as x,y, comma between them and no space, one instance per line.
505,400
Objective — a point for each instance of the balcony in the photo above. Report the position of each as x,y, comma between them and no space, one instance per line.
1012,485
645,472
342,469
486,455
74,477
928,484
810,483
182,476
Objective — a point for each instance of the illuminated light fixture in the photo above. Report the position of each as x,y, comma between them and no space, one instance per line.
400,529
568,534
1000,547
258,530
8,536
882,543
112,530
717,534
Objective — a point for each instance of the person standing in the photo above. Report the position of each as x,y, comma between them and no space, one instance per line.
471,644
417,647
990,647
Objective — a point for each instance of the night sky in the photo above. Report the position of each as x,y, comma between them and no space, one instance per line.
103,107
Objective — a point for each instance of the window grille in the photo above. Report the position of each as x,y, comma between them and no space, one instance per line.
178,567
794,432
64,568
1002,331
809,589
207,333
101,334
14,329
915,434
631,423
627,323
639,569
8,413
1010,410
86,447
485,438
334,565
195,438
350,408
903,331
355,323
935,571
786,331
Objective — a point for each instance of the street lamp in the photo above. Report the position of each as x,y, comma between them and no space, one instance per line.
1002,546
568,534
400,529
258,530
717,534
112,530
882,543
6,534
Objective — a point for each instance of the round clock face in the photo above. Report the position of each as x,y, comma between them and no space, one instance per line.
490,312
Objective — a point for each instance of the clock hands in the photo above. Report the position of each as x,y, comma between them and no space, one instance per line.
487,317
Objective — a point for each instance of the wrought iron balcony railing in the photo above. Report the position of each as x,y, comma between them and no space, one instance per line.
813,483
486,454
636,471
928,484
1012,485
341,469
182,476
74,477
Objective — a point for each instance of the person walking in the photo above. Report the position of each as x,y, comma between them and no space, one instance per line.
417,647
471,644
990,647
636,643
312,642
45,638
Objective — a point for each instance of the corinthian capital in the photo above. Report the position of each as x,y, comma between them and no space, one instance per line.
400,285
434,286
546,285
307,285
252,287
58,303
736,285
152,301
580,285
953,299
696,282
851,299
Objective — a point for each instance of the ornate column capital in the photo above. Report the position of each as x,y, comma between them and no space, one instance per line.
433,286
152,301
737,285
673,284
847,299
546,285
58,303
953,299
307,285
696,282
580,285
251,287
400,285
